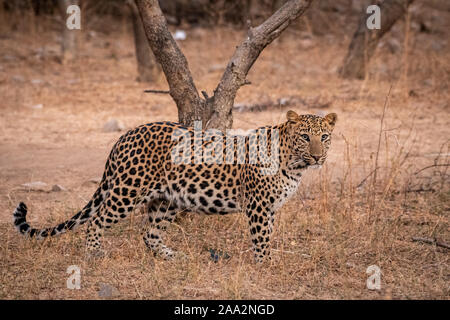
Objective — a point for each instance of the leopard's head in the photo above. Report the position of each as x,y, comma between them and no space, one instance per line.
309,139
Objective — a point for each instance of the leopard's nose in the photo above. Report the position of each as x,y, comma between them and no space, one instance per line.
317,158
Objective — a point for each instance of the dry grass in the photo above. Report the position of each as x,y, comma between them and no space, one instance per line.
344,218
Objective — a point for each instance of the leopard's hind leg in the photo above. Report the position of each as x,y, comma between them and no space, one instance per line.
160,213
94,235
114,208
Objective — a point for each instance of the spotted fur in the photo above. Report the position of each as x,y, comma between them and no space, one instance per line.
140,171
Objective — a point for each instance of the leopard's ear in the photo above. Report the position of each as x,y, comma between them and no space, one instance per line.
292,116
331,119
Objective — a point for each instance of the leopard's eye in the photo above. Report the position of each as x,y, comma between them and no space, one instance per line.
324,137
305,137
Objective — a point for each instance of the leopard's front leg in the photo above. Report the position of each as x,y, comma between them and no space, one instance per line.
261,225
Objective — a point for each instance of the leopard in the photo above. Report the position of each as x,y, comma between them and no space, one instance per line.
149,167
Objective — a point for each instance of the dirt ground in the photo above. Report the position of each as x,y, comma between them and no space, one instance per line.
344,218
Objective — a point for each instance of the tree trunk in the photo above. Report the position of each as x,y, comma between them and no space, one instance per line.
215,111
365,41
69,41
148,68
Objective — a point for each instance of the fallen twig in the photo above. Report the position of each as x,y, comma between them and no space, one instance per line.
157,91
432,166
316,102
419,190
432,241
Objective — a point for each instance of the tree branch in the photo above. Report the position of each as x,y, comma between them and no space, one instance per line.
215,111
246,54
173,62
432,241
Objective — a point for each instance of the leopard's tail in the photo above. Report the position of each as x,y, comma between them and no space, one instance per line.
21,224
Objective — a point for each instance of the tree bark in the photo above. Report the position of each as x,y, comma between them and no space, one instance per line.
69,41
216,111
365,41
174,64
148,68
